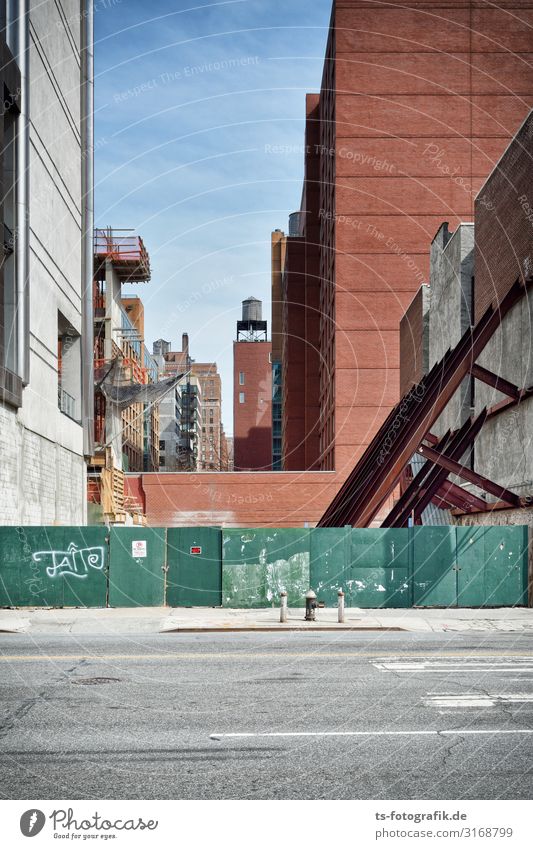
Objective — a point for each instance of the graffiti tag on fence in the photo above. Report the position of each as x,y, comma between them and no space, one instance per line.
74,561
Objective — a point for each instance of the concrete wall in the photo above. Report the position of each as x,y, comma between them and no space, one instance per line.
414,340
42,470
504,252
504,447
451,271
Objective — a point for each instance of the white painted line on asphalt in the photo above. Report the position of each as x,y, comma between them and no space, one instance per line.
450,666
461,700
460,732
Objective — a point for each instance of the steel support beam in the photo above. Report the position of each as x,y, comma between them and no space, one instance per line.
494,380
459,497
451,465
378,471
425,486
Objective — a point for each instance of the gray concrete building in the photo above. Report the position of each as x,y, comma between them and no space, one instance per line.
472,271
450,310
46,380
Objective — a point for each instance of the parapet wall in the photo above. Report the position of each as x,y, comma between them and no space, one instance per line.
234,499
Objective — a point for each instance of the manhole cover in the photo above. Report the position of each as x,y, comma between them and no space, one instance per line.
95,680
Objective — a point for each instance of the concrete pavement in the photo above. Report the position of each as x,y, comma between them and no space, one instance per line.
154,620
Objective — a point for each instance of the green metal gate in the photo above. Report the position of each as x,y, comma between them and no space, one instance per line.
470,566
138,567
53,567
194,576
379,568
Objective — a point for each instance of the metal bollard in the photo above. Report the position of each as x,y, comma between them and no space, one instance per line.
283,607
341,606
310,606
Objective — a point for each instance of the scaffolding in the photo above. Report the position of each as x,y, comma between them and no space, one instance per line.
126,251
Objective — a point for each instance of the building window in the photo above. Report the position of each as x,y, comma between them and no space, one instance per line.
161,444
10,381
241,397
68,369
241,378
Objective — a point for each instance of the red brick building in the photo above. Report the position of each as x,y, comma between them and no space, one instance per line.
212,455
299,316
252,391
418,101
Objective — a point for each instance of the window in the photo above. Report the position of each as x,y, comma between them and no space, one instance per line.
241,378
161,444
10,381
241,397
68,369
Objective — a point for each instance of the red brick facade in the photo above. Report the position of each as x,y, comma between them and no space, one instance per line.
300,317
252,406
418,101
278,499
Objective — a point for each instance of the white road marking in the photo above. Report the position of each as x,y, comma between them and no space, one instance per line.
433,666
461,700
458,731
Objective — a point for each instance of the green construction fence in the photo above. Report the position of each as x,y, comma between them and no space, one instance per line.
429,566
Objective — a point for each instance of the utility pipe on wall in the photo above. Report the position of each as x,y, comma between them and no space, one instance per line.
87,220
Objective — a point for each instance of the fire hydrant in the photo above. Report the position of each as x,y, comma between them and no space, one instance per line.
310,606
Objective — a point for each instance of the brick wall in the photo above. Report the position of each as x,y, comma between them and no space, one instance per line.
276,499
252,419
293,355
41,483
418,102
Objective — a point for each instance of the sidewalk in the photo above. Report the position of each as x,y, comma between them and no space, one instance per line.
157,620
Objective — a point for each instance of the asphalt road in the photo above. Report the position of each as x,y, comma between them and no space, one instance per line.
261,716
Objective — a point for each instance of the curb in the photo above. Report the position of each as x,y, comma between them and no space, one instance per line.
188,629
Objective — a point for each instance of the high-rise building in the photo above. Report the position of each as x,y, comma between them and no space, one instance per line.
46,135
211,454
415,108
191,423
252,391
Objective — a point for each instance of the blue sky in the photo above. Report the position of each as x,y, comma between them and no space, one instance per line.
191,103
